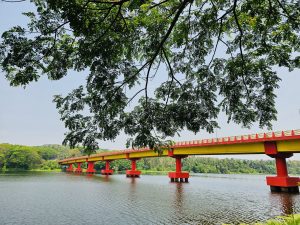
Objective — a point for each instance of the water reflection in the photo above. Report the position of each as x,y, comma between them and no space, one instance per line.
132,193
178,203
106,178
89,175
286,201
178,198
133,180
82,200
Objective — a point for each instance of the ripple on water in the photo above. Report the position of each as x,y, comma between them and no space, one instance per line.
61,198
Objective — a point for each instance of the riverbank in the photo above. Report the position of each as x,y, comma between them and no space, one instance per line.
293,219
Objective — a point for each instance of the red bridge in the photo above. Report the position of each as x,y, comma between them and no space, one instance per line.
278,145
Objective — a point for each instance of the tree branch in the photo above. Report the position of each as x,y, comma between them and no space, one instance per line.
285,11
109,2
135,95
170,67
158,4
240,45
180,10
146,84
112,22
219,36
169,91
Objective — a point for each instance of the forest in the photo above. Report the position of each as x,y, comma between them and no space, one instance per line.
45,157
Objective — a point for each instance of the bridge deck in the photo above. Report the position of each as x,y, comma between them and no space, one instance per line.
287,141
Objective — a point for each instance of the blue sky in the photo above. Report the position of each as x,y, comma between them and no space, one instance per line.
28,116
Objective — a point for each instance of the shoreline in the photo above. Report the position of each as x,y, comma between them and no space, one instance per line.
144,172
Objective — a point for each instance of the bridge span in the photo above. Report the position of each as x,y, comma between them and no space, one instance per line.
278,145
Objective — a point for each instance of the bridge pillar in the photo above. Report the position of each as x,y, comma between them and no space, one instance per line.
90,168
107,170
178,175
282,182
133,172
78,169
70,168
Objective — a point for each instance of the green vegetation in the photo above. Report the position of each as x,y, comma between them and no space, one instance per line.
213,165
282,220
17,157
154,68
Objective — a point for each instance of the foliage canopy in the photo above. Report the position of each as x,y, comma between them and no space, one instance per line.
219,56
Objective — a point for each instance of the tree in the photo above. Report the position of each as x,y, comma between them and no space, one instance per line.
47,153
2,159
219,56
22,158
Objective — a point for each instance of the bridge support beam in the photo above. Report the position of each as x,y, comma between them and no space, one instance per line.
70,168
282,182
133,172
178,175
107,170
78,169
90,168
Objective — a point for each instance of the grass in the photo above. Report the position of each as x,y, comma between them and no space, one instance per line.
280,220
45,170
151,172
284,220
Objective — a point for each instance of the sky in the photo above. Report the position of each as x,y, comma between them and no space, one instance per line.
29,117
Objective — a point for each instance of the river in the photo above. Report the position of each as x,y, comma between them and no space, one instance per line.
60,198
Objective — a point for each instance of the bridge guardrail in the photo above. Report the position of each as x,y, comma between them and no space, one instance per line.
268,136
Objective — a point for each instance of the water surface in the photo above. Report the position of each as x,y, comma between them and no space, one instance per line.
60,198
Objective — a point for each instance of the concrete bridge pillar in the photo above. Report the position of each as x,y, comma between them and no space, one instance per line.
70,168
90,168
178,175
282,182
133,172
107,170
78,169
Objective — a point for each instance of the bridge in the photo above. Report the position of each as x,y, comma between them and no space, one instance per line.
278,145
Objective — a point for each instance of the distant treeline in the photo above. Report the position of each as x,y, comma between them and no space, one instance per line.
197,164
45,158
34,157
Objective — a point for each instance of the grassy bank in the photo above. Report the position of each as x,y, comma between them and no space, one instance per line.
46,170
281,220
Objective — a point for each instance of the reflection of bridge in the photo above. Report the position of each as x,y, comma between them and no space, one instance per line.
278,145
